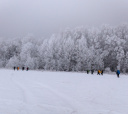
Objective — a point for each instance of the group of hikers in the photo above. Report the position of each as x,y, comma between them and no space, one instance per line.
92,71
102,71
98,72
23,68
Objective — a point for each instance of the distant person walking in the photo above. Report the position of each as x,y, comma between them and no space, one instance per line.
98,72
22,68
14,68
92,71
27,68
118,73
18,68
102,72
87,71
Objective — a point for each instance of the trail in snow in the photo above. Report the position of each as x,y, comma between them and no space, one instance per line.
30,98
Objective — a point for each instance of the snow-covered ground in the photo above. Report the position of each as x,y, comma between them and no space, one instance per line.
36,92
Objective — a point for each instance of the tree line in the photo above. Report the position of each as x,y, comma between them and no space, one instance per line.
78,49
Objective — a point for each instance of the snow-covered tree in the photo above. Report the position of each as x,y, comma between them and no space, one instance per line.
78,49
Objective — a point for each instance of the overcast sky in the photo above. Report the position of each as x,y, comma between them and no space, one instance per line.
45,17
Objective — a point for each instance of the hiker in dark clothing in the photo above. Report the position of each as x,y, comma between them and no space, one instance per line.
14,68
102,72
27,68
22,68
92,71
118,73
87,71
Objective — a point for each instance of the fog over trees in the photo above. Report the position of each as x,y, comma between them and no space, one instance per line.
79,49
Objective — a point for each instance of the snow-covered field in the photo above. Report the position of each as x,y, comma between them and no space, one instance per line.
36,92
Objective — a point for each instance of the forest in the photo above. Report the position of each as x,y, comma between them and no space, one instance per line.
78,49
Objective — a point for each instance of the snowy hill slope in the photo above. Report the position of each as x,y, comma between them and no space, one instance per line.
36,92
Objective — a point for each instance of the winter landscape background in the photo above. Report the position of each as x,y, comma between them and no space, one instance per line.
78,49
87,35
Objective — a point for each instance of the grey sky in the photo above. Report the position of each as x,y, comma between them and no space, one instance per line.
44,17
